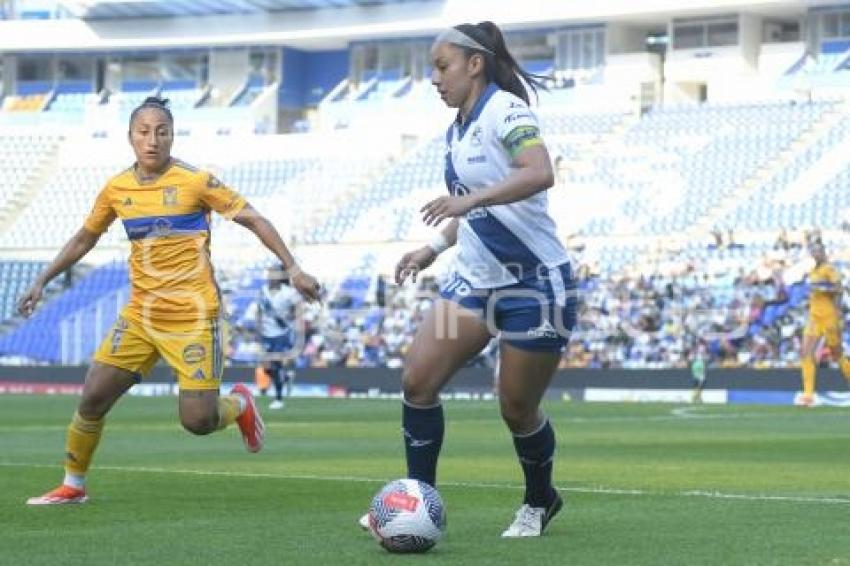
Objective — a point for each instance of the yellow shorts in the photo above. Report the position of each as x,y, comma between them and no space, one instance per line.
828,327
194,351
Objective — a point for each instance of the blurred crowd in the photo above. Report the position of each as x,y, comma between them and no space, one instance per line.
735,311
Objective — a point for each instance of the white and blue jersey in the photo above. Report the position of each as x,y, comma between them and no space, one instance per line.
502,244
507,252
277,324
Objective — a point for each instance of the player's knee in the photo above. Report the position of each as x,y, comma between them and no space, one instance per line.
519,416
418,387
93,407
199,424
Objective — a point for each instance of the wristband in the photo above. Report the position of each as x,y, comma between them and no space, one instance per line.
439,243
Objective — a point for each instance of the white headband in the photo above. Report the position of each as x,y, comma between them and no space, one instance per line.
457,37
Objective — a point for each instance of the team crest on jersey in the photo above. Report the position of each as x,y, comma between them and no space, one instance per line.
213,182
169,196
475,139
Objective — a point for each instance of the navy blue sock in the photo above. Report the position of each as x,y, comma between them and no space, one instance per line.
536,452
278,383
423,437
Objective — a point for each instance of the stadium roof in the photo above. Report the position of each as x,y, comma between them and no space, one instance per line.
120,9
358,20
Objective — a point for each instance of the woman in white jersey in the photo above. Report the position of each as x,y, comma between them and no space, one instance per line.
512,276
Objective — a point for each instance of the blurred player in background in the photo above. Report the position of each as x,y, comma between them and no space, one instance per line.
698,374
174,307
512,276
276,324
825,321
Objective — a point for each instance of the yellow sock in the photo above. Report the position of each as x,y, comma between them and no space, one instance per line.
808,366
229,407
81,442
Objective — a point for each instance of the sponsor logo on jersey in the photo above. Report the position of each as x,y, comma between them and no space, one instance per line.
477,159
128,202
517,116
161,227
199,375
213,182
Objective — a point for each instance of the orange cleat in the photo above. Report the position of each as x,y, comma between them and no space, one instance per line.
59,496
250,422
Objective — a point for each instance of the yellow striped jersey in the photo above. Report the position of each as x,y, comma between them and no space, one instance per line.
167,220
825,285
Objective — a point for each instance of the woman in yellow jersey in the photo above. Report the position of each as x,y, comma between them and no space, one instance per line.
825,321
174,307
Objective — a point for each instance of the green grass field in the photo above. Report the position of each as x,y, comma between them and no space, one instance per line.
645,484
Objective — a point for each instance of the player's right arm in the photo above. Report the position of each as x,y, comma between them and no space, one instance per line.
99,219
413,262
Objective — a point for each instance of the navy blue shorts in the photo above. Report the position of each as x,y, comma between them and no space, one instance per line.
278,344
536,314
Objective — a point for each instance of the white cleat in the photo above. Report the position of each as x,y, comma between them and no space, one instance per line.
274,405
364,522
531,521
527,523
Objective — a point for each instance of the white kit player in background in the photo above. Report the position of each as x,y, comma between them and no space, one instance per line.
276,323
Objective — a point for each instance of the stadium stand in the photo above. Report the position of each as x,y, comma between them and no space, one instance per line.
41,337
646,196
15,279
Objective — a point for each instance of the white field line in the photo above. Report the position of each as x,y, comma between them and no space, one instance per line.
676,414
473,485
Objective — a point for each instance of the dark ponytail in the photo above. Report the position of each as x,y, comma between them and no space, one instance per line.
500,66
153,102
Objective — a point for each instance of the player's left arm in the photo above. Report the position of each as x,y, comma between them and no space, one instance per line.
532,172
265,231
216,196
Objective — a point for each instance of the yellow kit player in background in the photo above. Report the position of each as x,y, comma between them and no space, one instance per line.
825,321
174,306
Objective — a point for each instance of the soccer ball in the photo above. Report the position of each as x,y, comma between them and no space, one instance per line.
407,516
